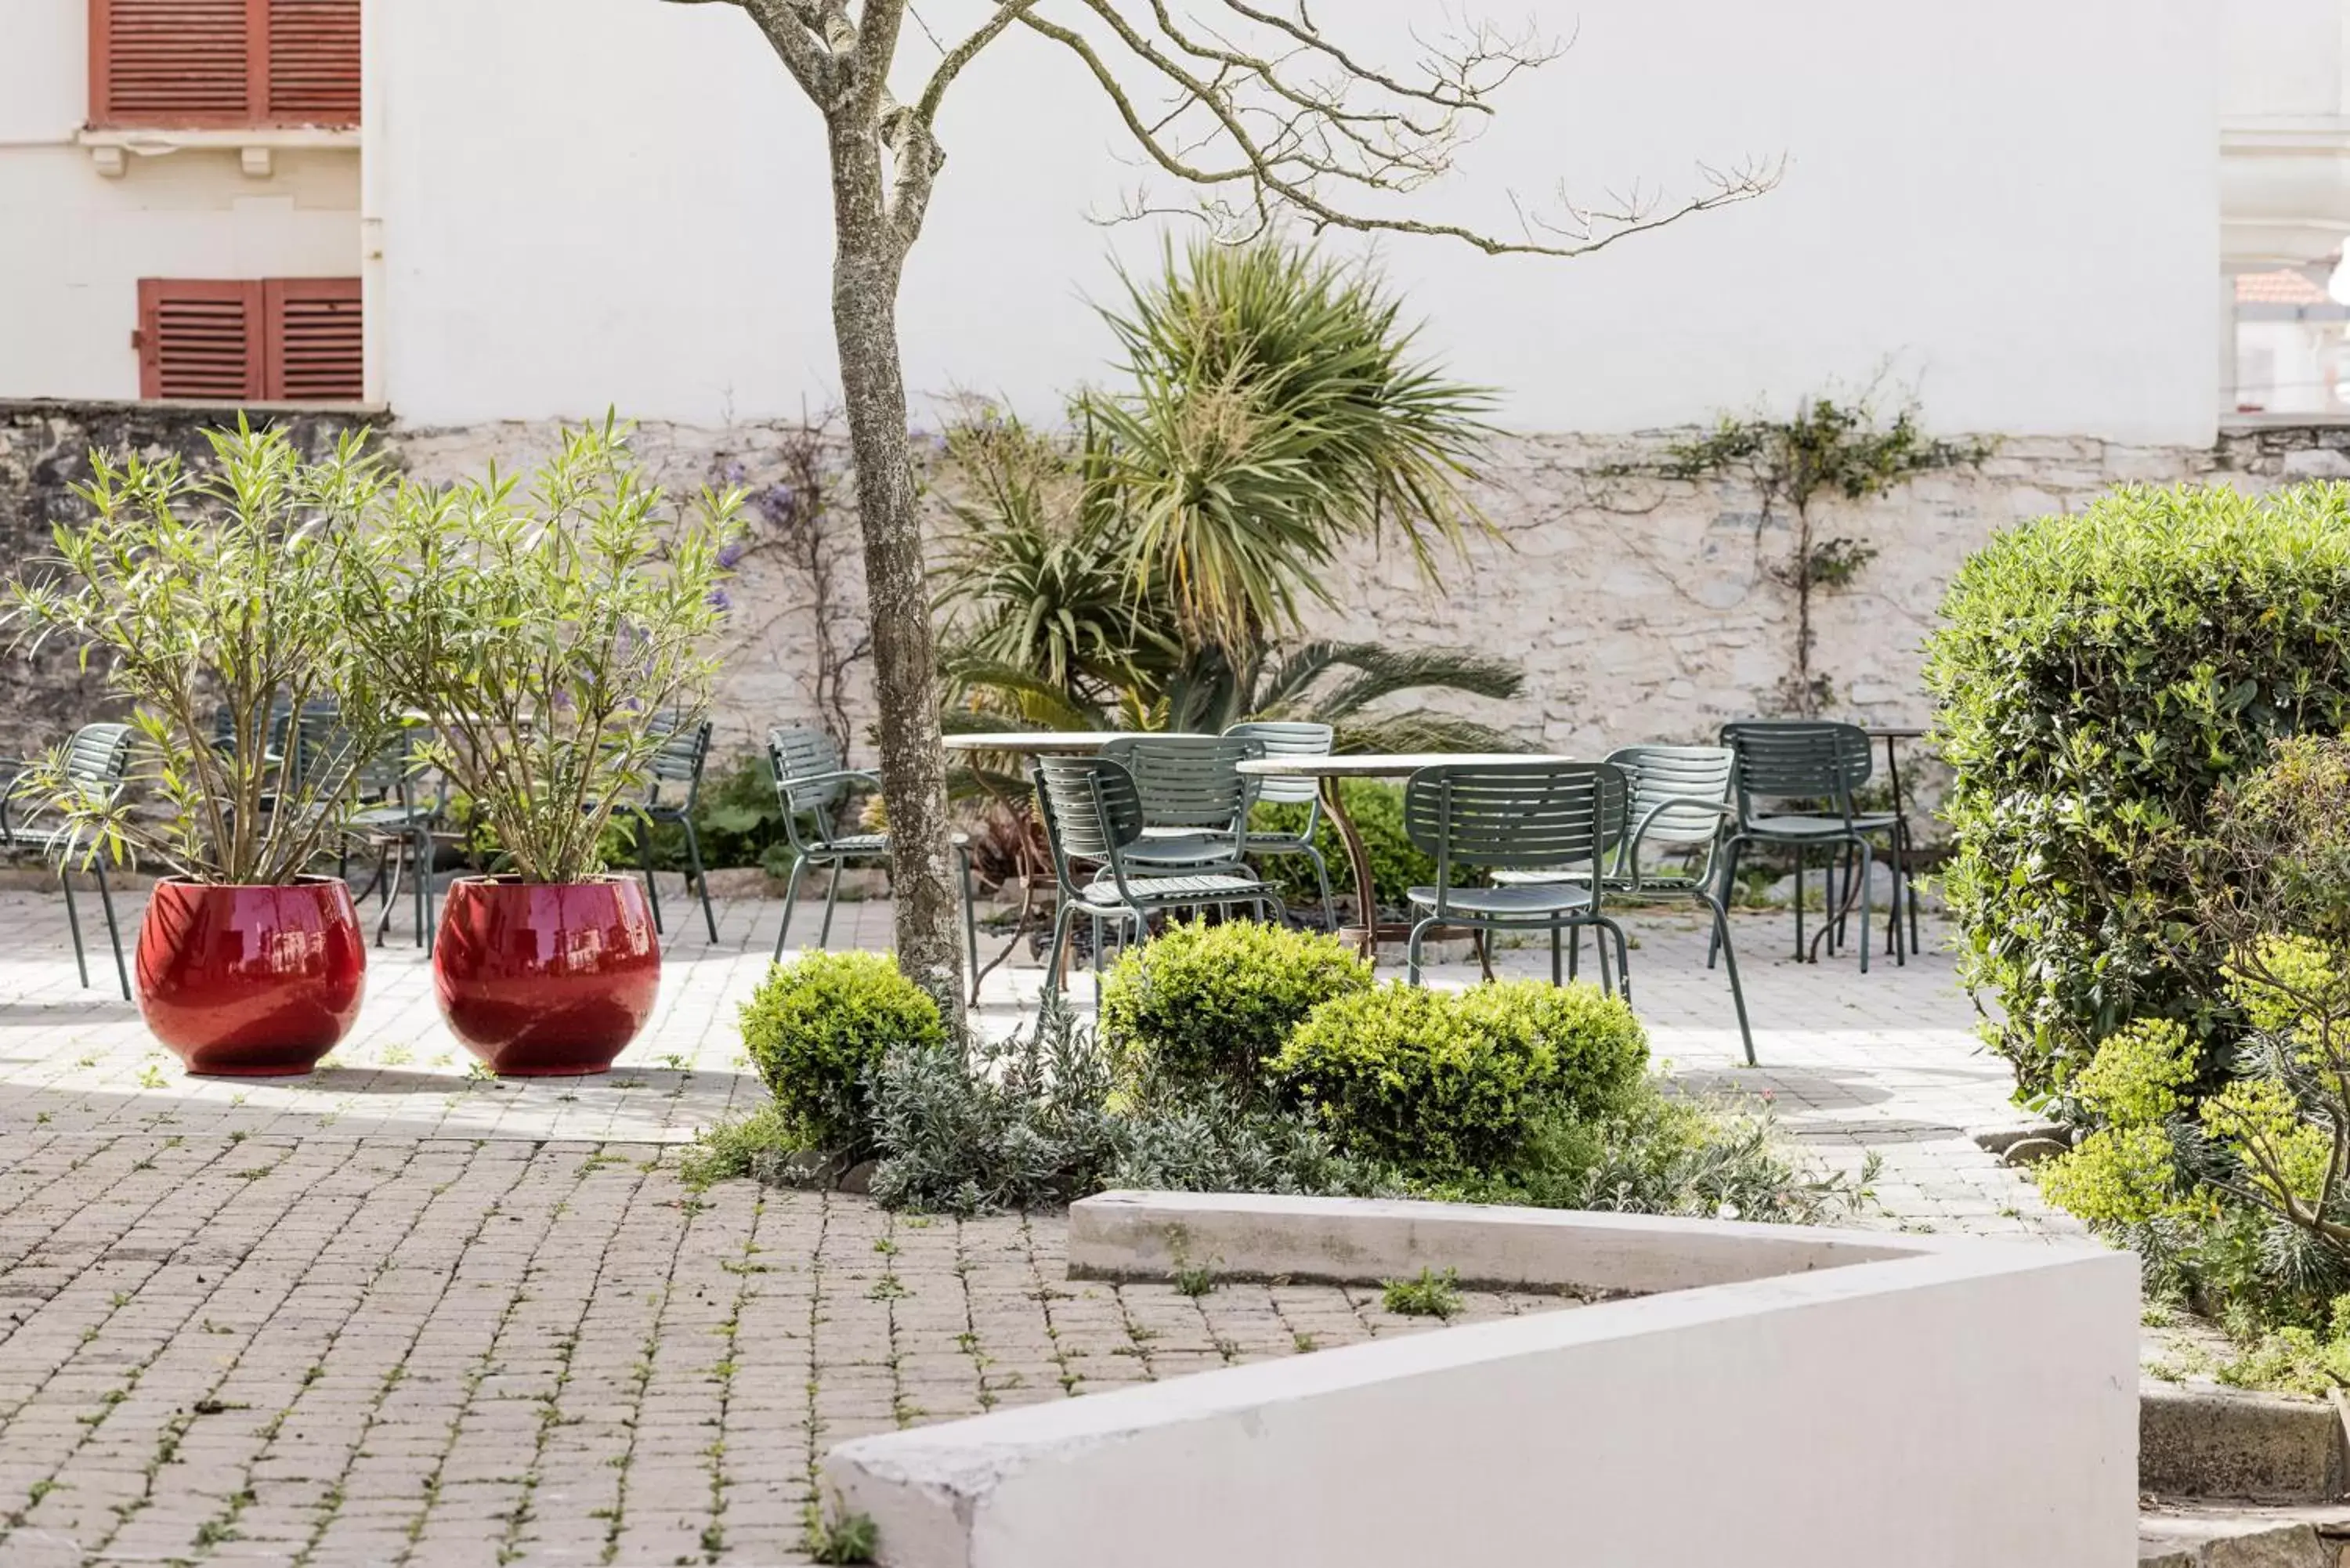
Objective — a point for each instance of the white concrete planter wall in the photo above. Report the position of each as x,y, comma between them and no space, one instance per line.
1821,1398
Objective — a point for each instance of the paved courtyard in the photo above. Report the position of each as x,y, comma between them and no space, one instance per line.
400,1314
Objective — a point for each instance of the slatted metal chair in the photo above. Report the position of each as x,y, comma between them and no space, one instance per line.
1818,766
1195,802
672,786
1093,812
1285,739
394,818
811,784
98,760
1681,804
1563,819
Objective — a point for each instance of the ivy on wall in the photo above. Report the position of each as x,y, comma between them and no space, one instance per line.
1828,449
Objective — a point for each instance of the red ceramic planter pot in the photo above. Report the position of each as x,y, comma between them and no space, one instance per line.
545,979
251,982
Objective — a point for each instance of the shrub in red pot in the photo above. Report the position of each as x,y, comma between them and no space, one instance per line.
212,597
550,635
542,978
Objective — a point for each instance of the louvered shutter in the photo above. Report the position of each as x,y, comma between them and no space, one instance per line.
202,64
314,62
200,338
290,339
313,350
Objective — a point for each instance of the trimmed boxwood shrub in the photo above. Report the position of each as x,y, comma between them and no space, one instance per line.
2098,677
1452,1082
1207,1002
1377,809
816,1027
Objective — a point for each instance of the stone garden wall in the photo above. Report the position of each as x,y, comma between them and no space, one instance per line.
1642,607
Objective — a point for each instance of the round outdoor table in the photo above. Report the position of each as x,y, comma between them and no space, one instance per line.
1054,742
1327,770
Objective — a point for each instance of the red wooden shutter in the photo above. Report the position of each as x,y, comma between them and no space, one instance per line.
170,62
200,338
314,62
314,352
223,63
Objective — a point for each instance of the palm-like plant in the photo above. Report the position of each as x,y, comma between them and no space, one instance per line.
1339,684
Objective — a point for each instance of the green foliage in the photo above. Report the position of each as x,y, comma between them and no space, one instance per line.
1428,1294
1653,1153
1033,1121
844,1538
739,819
2296,1360
546,638
216,588
1376,808
755,1145
1193,1280
817,1027
1205,1002
2101,677
1444,1084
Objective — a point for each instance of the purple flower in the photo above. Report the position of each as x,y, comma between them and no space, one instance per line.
731,552
735,473
721,601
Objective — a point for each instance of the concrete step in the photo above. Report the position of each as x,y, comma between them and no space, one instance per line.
2242,1535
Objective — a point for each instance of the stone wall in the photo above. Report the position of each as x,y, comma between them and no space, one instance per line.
1640,608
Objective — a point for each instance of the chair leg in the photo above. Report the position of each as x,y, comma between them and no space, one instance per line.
1728,880
1322,881
1730,963
73,924
1799,903
1909,876
791,896
645,855
701,877
387,876
970,926
1053,953
1412,950
831,897
1557,976
1867,858
1623,955
113,932
421,881
1574,952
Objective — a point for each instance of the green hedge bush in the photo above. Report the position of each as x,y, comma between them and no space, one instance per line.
1446,1083
1377,809
2099,676
1216,1002
816,1027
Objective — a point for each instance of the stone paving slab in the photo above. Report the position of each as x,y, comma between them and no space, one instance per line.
400,1313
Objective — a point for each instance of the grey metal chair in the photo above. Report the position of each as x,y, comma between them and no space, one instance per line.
395,820
1681,804
1093,812
672,790
811,784
98,760
1817,765
1284,739
1195,802
1562,818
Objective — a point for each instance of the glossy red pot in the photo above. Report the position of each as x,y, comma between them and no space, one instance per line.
545,979
251,982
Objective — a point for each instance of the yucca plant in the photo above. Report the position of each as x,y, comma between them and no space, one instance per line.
211,598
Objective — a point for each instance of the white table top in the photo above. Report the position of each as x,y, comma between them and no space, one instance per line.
1381,765
1054,742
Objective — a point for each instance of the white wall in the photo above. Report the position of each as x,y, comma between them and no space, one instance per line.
73,244
2014,204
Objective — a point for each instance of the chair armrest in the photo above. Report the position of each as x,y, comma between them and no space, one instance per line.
1629,863
839,775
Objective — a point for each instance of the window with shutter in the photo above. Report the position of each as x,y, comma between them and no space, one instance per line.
293,339
198,64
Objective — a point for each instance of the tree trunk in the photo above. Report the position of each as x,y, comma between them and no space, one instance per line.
905,661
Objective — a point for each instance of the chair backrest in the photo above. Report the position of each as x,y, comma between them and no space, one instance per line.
99,753
679,760
1516,815
1091,808
1284,739
1658,774
1188,780
803,752
1810,759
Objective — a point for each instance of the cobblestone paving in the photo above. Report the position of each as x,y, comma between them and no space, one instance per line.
397,1313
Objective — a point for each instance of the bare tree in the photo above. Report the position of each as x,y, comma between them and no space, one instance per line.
1253,107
